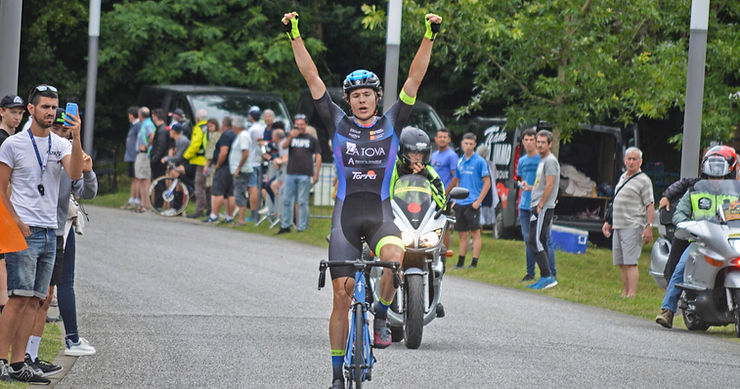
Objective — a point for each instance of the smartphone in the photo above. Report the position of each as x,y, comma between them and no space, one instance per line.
71,109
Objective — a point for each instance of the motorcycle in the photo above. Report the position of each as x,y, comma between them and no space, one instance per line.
711,286
662,247
417,299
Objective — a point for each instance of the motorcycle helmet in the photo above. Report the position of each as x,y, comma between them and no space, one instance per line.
361,78
719,162
414,140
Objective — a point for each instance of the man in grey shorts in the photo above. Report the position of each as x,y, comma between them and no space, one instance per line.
632,220
240,167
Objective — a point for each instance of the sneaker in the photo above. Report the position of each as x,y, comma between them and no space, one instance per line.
537,285
381,333
665,318
527,278
43,368
81,348
229,220
4,376
549,282
338,383
27,374
283,230
210,219
195,215
473,265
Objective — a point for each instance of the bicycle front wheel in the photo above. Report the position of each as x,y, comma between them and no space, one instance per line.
168,196
358,346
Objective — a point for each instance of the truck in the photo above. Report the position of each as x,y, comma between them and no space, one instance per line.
595,151
218,101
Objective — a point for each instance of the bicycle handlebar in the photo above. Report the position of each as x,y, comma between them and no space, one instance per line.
359,264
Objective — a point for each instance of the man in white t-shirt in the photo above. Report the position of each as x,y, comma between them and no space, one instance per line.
240,167
257,133
32,163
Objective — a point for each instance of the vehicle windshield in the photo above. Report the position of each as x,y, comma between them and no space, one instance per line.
413,193
219,106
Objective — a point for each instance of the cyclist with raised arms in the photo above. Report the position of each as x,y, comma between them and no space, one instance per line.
365,148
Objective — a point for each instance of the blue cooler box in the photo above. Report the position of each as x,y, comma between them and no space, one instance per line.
570,240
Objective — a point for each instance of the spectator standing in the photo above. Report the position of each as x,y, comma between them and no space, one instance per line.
544,193
444,159
304,161
490,202
268,116
160,144
214,133
196,155
632,220
33,205
142,165
178,117
11,111
85,188
526,174
223,182
240,168
130,156
472,174
256,132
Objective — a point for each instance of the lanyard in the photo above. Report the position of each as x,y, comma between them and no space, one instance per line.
42,165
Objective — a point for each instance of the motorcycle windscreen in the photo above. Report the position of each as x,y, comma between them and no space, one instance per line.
714,193
413,194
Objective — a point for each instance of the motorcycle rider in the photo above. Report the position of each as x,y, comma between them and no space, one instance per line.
365,147
719,163
413,158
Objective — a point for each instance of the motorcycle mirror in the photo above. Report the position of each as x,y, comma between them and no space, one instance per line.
459,193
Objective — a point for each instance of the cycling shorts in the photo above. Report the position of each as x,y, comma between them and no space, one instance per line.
360,215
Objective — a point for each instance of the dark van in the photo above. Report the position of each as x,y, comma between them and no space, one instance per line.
218,101
422,116
594,152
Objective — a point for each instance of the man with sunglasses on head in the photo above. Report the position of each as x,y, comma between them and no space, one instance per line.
31,162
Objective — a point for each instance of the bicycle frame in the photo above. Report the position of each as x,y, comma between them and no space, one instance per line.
360,307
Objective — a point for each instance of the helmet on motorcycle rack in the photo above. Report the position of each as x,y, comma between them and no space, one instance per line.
361,78
414,140
719,162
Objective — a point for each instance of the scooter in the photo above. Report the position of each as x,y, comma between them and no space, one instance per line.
417,300
711,285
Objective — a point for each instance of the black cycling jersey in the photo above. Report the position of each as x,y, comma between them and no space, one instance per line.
364,157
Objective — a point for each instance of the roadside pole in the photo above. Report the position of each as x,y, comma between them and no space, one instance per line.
92,74
694,88
393,48
11,12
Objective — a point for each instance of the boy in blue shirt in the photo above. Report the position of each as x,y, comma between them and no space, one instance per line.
471,173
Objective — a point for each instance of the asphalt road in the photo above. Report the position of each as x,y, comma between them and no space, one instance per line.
176,304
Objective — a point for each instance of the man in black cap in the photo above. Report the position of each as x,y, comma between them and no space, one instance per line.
11,110
178,116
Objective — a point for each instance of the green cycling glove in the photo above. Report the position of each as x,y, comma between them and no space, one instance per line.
432,28
292,28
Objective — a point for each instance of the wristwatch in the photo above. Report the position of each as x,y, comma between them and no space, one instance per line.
649,225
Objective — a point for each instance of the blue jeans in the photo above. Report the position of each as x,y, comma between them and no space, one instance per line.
672,293
524,216
29,271
66,287
296,186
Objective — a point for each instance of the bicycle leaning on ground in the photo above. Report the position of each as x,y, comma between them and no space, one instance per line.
358,357
169,194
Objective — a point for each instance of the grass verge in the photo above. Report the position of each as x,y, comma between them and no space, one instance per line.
588,278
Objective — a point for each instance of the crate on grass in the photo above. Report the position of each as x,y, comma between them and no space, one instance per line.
568,239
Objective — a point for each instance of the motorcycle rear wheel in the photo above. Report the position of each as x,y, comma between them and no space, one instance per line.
693,323
414,315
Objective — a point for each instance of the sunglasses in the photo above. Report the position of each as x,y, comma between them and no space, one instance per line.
42,88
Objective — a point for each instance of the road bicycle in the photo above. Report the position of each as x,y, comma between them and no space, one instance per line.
168,195
358,357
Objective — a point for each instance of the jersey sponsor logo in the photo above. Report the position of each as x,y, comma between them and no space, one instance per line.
370,175
365,151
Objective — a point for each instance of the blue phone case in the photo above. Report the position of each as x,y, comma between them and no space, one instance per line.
71,109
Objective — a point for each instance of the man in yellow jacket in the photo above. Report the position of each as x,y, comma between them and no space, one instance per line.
196,155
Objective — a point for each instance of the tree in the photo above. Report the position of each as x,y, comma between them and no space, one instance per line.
574,62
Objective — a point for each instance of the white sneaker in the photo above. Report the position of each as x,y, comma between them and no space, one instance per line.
81,348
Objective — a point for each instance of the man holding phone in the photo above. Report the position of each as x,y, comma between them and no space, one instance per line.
33,204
